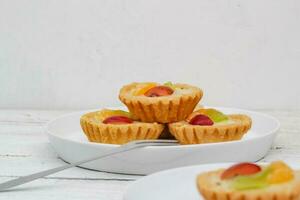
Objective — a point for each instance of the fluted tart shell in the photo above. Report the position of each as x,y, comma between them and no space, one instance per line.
212,187
186,133
96,131
164,109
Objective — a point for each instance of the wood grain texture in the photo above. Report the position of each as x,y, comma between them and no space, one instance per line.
24,149
49,189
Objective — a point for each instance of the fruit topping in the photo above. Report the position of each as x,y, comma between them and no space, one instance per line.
170,85
144,89
240,169
201,120
280,173
117,120
105,113
254,181
246,176
158,91
215,115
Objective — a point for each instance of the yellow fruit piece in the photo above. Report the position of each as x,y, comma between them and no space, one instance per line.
105,113
280,173
144,89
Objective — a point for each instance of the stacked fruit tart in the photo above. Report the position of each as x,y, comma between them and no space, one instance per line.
152,107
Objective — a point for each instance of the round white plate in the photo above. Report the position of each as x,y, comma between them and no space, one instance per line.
174,184
70,143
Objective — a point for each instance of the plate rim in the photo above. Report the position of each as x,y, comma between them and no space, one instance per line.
271,132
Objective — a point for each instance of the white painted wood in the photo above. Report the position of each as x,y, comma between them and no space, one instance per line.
67,189
24,149
14,166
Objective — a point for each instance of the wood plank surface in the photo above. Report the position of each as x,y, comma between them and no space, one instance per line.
24,149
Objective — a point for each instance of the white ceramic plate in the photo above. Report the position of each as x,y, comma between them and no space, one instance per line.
70,143
175,184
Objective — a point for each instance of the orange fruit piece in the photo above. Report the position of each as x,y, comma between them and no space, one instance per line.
280,173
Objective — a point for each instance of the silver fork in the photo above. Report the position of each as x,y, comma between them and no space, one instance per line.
123,148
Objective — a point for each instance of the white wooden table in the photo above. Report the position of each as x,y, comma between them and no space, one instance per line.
24,149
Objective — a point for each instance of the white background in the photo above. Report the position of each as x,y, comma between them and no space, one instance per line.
64,54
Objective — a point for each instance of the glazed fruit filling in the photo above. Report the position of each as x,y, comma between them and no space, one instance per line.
117,120
201,120
159,91
170,85
240,169
206,117
144,89
214,114
154,90
115,117
245,176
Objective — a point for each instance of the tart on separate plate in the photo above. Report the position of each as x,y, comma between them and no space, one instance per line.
163,103
117,127
249,181
210,125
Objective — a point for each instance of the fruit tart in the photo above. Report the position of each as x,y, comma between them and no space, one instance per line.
248,181
210,125
117,127
163,103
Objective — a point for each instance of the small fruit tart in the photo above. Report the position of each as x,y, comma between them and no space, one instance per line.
210,125
249,181
117,127
153,102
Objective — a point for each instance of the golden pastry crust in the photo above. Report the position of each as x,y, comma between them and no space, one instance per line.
96,131
164,109
194,134
212,188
